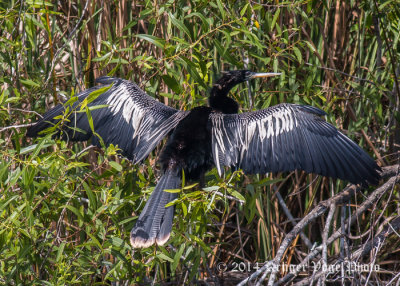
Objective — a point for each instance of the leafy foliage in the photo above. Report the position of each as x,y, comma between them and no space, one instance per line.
66,209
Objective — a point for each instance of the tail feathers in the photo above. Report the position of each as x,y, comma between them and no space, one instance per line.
155,222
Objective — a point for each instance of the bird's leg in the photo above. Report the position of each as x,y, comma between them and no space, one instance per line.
202,181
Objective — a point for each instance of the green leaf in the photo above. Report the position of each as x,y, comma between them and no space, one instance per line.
130,25
40,146
298,54
205,23
164,257
236,194
172,83
221,9
184,209
2,96
102,58
211,189
172,190
115,166
125,221
190,186
195,267
310,46
244,9
224,52
73,165
268,181
91,108
5,203
170,95
118,242
177,257
152,39
276,15
172,203
94,94
30,148
90,119
29,83
179,25
119,61
75,211
60,251
192,68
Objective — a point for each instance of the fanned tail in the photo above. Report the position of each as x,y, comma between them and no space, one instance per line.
155,222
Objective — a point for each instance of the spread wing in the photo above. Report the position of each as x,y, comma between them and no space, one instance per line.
288,137
125,116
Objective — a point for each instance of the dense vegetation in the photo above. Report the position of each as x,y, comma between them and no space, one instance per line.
66,209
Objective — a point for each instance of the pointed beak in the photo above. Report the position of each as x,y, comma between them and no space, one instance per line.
265,74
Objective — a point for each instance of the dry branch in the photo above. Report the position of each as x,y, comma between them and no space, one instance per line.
272,267
15,126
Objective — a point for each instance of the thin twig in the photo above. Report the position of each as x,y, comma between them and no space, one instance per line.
292,220
70,36
229,197
26,111
85,150
16,126
343,73
325,243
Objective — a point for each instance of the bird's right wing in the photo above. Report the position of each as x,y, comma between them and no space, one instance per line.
288,137
125,116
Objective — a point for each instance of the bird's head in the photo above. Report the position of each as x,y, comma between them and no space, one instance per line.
219,99
231,78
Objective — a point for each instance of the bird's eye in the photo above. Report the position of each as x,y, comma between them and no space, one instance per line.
247,74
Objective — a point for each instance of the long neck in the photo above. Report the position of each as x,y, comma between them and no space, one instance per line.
219,100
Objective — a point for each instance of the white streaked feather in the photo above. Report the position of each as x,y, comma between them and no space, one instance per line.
233,145
127,102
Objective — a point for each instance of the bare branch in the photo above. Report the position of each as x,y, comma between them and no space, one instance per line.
273,266
292,220
15,126
325,243
26,111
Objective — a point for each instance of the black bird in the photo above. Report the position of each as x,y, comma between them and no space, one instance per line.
282,138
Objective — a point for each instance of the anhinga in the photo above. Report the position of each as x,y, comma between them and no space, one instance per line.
281,138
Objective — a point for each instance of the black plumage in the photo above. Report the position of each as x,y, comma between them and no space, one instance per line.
290,137
129,118
282,138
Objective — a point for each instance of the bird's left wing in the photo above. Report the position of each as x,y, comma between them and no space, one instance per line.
123,115
288,137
